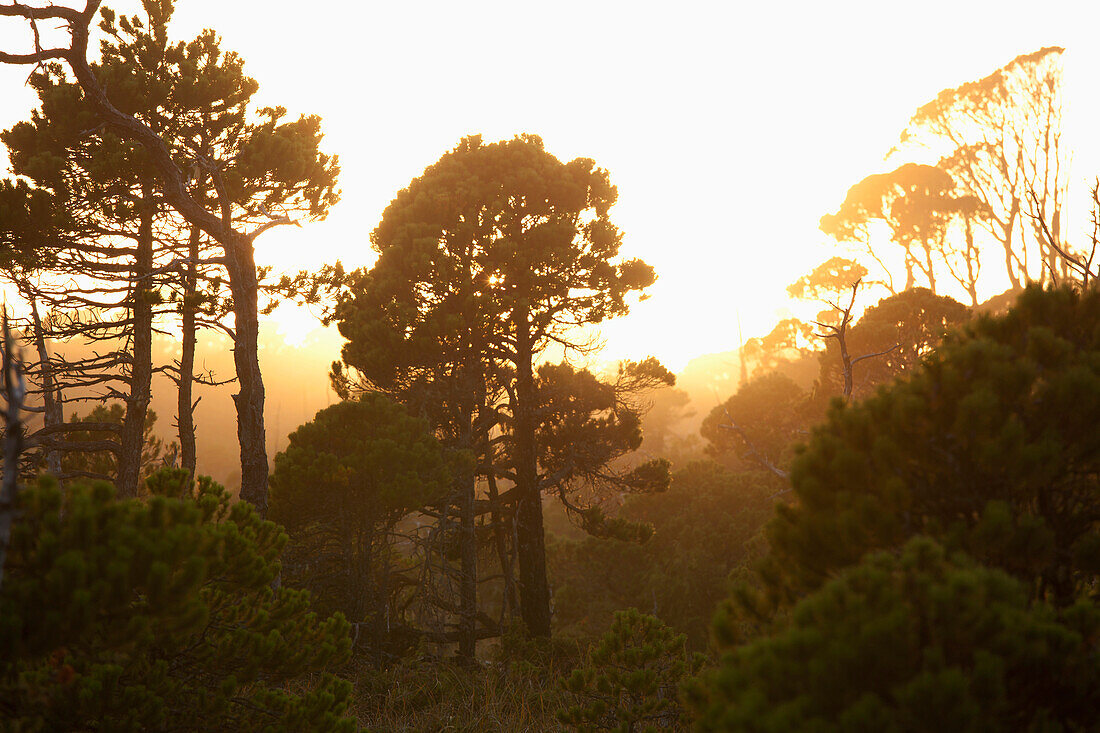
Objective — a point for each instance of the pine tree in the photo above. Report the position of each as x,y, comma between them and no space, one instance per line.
916,642
159,615
989,446
257,180
631,679
495,252
344,481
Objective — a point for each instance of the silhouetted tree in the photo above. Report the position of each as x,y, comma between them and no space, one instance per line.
830,280
284,159
497,251
343,483
895,335
788,343
110,249
1000,137
915,203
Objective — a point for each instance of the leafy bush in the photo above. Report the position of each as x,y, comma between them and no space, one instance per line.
159,615
916,643
631,678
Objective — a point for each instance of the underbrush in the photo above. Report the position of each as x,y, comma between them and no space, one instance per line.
519,689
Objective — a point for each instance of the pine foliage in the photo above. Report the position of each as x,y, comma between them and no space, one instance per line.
630,681
159,615
918,642
990,447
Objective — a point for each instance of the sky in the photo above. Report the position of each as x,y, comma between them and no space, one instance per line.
728,127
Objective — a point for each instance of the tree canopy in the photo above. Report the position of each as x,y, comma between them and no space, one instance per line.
497,251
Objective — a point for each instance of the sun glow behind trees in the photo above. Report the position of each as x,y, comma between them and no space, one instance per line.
728,131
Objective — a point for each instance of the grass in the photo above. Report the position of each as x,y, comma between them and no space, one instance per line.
518,691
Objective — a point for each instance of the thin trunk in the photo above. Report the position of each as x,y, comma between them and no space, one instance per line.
972,264
929,268
14,392
1009,238
467,631
1056,234
51,393
249,400
185,407
501,545
132,436
534,590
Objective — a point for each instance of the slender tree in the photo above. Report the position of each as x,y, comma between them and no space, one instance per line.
1000,139
264,172
888,341
101,283
914,201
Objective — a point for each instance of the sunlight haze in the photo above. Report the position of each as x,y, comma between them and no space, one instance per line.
812,445
729,128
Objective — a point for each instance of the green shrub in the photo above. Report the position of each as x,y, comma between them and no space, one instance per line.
991,447
159,615
631,678
912,643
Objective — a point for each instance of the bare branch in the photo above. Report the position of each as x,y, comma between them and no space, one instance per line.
753,452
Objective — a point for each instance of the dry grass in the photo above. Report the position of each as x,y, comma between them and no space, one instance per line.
432,694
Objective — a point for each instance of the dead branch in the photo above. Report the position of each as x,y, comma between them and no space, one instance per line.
753,452
840,333
1079,265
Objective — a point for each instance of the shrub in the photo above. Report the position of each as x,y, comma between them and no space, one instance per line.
630,681
918,642
159,615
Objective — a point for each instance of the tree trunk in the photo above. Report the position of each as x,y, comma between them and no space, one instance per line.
500,542
534,590
1009,238
132,436
241,265
929,268
185,407
51,393
972,263
467,630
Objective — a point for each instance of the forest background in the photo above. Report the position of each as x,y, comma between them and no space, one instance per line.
728,132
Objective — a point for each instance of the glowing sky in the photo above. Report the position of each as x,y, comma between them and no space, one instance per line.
729,128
